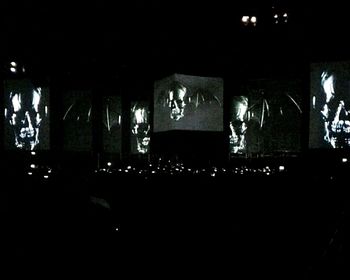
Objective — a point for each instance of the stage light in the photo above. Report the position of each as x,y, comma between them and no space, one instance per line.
245,20
13,64
13,70
280,16
253,20
344,160
249,20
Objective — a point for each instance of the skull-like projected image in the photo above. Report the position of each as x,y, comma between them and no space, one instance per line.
183,102
26,115
140,128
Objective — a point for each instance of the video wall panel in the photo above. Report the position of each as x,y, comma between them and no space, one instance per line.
183,102
140,129
26,116
329,105
77,120
266,118
112,124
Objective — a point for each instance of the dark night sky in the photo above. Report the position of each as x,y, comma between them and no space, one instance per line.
88,35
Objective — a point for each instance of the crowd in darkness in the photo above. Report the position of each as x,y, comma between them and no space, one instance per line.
168,217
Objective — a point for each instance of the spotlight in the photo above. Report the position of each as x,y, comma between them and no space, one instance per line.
249,20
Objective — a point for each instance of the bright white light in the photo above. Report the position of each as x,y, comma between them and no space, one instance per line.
32,165
30,173
281,168
344,160
253,19
275,16
129,167
13,64
285,15
33,153
109,163
245,19
116,229
46,176
13,70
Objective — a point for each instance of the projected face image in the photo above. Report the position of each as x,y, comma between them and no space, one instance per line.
140,127
238,126
184,102
24,118
335,113
176,101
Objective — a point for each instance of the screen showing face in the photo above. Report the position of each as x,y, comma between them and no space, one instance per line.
183,102
112,119
267,118
140,127
238,124
77,120
329,105
27,120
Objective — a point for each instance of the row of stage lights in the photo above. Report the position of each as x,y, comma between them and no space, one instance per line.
278,18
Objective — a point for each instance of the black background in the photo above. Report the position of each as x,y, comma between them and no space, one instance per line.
81,38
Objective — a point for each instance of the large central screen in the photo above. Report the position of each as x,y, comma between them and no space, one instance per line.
329,105
27,120
183,102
